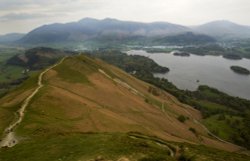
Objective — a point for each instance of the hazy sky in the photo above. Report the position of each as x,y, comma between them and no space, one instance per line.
25,15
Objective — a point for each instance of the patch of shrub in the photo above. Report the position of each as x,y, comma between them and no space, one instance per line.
182,118
193,130
184,157
154,91
154,157
146,100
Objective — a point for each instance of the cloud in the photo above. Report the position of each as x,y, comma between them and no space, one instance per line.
9,5
15,4
11,10
21,16
185,12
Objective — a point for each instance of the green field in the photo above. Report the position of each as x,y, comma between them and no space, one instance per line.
220,125
8,73
110,146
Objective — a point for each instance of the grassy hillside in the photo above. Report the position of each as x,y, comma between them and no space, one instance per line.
11,102
16,65
87,110
85,95
112,146
226,116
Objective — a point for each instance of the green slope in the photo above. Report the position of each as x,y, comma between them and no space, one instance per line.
57,128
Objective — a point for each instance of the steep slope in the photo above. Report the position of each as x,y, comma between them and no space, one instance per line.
88,28
83,96
224,30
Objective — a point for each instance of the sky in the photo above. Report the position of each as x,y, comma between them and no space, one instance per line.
24,15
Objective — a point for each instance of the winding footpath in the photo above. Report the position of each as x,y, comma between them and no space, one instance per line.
9,139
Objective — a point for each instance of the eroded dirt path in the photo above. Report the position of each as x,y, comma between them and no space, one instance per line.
9,139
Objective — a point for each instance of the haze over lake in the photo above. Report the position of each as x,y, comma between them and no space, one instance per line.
214,71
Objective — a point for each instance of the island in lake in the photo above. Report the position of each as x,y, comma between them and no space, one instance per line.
240,70
158,50
232,56
181,54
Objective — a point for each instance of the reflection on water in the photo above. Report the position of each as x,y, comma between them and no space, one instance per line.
190,72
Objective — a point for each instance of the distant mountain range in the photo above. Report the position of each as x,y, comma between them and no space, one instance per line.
223,29
88,28
10,37
186,38
115,30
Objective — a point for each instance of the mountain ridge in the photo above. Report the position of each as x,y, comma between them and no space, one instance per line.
91,28
11,37
88,29
224,28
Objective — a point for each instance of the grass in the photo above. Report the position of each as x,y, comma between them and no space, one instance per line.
7,116
30,83
110,146
70,75
80,146
8,73
7,112
212,106
76,69
6,53
161,105
221,127
203,153
49,128
45,115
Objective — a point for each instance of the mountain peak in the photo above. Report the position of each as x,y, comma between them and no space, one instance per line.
90,28
222,23
109,19
224,29
11,37
88,20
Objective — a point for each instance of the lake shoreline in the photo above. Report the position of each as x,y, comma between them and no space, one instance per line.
210,70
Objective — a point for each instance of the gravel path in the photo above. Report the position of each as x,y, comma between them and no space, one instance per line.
9,139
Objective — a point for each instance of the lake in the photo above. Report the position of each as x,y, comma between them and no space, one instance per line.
214,71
